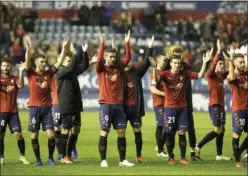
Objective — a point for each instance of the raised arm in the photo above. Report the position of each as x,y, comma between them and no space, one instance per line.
65,48
146,63
27,44
22,67
62,72
100,61
211,70
82,66
206,57
126,60
230,76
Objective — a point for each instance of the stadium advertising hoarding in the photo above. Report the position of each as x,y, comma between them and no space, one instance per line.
89,88
121,5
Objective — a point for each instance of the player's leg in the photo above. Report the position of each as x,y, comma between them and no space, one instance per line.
220,137
48,126
215,115
105,118
160,136
34,127
57,128
136,123
15,127
170,130
244,145
238,122
192,135
67,123
3,125
119,124
182,126
73,138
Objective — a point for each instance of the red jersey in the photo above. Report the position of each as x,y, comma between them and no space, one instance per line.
239,90
174,86
54,91
39,88
156,99
8,93
130,99
216,84
109,78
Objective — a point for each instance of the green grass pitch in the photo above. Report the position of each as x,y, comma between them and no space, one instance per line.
89,160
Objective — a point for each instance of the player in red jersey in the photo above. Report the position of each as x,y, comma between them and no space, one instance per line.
9,85
40,101
175,107
109,69
238,84
157,91
215,76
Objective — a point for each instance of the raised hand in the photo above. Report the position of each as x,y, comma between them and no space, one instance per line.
207,56
150,42
127,36
100,36
22,66
94,58
72,48
226,57
114,44
66,44
85,47
27,42
218,45
231,51
153,62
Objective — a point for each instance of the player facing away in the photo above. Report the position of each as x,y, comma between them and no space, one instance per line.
70,99
133,98
175,107
109,69
238,84
158,96
9,85
40,101
215,77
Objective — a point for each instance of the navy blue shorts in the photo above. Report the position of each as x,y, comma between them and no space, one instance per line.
56,116
217,115
10,119
70,119
175,119
159,114
40,115
240,121
132,115
112,114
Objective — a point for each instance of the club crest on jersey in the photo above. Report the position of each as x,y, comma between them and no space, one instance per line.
181,78
130,85
12,81
112,77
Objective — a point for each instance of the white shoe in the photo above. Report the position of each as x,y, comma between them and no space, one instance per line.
162,154
2,161
24,160
126,163
221,157
197,150
245,158
104,163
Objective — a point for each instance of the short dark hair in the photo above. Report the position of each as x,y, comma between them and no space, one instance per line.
110,50
7,60
36,56
238,55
